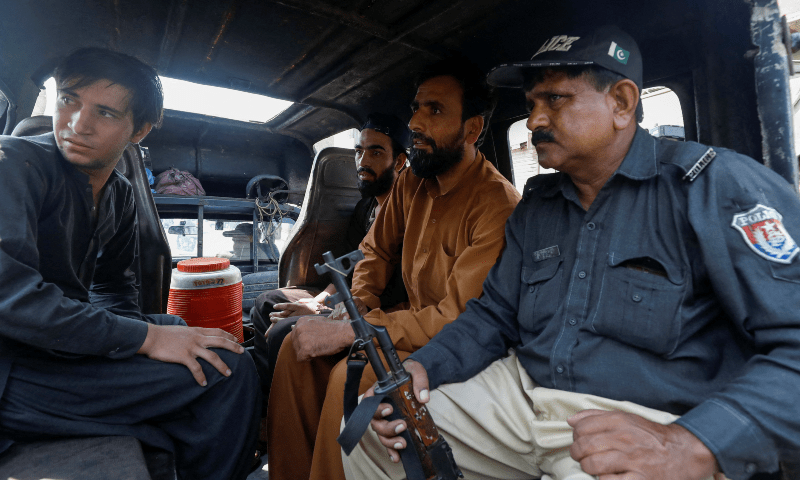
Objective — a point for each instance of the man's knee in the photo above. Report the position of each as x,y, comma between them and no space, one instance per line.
243,371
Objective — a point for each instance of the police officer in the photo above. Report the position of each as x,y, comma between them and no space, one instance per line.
644,273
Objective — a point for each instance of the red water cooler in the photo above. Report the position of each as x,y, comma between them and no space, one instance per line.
207,292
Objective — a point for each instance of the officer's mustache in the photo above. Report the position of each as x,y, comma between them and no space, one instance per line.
540,136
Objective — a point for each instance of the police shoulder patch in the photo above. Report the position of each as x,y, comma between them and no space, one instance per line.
763,230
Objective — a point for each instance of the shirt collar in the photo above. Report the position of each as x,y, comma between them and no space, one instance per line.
556,186
640,163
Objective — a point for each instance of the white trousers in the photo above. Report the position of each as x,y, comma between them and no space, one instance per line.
500,425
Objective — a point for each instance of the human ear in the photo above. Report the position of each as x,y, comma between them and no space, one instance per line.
625,96
400,162
139,136
473,128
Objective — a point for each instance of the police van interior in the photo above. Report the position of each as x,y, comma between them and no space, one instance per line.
282,201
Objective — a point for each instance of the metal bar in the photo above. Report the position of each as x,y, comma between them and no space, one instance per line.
773,94
200,230
253,243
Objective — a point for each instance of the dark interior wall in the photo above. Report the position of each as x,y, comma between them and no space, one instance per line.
724,82
224,155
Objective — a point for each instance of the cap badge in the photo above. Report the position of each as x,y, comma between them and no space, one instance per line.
618,53
763,231
561,43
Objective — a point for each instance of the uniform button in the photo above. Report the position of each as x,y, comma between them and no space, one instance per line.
750,468
424,250
581,274
560,369
636,297
433,221
573,322
590,225
530,289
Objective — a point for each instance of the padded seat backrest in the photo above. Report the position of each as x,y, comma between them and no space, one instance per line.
153,257
331,196
153,264
32,126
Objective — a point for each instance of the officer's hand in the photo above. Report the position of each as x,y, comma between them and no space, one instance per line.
184,345
388,431
317,337
616,445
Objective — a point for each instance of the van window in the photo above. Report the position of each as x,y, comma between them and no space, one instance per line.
345,139
203,99
229,239
182,237
662,108
662,118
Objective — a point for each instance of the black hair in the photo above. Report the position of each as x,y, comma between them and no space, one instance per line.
479,97
600,78
397,148
86,66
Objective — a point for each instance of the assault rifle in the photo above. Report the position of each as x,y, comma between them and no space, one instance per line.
431,457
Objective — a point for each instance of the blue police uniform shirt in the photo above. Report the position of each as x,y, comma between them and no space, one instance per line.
678,290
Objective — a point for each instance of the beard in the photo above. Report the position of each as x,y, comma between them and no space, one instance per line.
439,159
381,184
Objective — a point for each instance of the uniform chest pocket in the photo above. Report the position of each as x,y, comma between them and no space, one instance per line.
640,306
539,294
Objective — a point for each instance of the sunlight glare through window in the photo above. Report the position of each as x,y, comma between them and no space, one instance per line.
205,100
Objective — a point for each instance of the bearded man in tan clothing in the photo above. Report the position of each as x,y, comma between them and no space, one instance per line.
444,220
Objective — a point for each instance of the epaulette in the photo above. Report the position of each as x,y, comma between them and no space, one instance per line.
701,164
